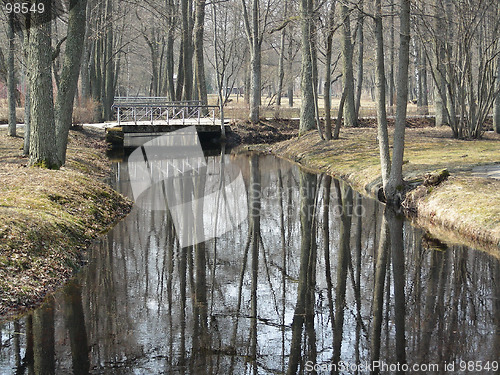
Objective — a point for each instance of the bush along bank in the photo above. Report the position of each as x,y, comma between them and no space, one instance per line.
49,218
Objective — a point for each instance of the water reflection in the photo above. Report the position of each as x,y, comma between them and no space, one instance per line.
317,275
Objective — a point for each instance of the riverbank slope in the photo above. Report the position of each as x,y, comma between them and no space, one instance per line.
462,209
49,218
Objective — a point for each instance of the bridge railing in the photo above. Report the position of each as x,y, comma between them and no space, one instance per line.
187,112
146,100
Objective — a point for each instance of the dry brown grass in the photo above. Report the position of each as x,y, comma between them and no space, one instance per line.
47,218
237,109
85,112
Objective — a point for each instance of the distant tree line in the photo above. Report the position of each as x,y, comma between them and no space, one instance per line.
442,53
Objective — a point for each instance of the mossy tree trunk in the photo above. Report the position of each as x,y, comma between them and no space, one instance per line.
43,134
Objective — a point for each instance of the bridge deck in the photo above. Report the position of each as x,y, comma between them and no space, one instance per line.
202,126
155,115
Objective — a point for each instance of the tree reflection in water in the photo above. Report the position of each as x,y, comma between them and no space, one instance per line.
309,278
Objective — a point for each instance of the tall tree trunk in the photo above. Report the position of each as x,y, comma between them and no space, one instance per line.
281,65
219,75
425,88
168,81
246,79
27,98
307,109
253,32
439,68
42,150
290,73
395,181
338,123
496,109
27,118
199,64
11,78
85,71
327,98
361,44
69,75
383,137
109,82
187,51
255,84
97,73
169,67
153,43
392,59
315,78
347,69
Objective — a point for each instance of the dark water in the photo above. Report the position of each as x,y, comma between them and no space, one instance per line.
317,274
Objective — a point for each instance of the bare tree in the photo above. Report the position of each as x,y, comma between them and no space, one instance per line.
394,185
69,75
383,137
281,66
307,109
347,67
256,23
328,69
360,46
496,116
199,63
11,78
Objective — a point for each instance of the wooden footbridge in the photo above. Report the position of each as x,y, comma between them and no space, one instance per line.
153,115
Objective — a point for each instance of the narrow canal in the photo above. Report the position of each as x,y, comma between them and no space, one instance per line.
303,274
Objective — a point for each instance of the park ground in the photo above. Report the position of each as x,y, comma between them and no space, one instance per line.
48,218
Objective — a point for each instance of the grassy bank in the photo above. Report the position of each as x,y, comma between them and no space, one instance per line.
48,218
464,208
